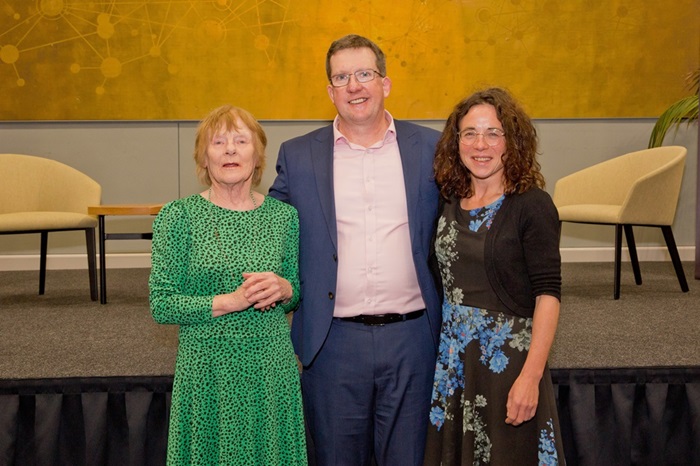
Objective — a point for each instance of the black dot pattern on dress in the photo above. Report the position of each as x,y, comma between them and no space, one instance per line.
236,397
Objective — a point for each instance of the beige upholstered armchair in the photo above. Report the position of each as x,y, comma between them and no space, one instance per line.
637,189
39,195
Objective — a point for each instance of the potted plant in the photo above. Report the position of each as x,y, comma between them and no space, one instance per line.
684,110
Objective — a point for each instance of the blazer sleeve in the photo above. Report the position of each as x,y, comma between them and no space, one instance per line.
280,188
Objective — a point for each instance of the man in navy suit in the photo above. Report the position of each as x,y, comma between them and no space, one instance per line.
368,325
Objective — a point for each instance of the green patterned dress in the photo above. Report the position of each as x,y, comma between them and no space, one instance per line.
236,396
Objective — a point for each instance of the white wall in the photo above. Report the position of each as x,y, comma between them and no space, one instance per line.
151,162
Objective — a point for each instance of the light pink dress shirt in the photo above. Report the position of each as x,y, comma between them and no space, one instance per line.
376,274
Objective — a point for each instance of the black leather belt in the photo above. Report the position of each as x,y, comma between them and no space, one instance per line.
382,319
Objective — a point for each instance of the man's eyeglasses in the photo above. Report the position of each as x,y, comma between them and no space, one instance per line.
362,76
491,136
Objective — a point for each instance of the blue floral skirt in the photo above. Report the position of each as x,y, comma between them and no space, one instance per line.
481,354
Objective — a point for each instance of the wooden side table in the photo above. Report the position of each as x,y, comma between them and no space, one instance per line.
117,209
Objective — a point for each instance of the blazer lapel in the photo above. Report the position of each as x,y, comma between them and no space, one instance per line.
322,160
409,141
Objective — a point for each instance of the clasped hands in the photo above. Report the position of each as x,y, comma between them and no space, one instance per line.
262,290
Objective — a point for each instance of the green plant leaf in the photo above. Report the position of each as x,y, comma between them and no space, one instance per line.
684,110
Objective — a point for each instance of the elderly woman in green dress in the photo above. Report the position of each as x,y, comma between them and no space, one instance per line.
224,268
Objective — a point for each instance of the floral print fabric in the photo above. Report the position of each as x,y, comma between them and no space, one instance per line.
481,354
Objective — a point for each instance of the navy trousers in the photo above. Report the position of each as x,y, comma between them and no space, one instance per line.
367,394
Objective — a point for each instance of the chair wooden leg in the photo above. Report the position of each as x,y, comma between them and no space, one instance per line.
675,258
92,261
618,258
634,259
42,261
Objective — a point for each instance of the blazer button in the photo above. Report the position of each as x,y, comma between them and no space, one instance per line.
330,295
335,257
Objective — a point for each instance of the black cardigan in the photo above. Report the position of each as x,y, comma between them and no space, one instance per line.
521,251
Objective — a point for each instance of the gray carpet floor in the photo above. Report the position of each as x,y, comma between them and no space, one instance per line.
64,334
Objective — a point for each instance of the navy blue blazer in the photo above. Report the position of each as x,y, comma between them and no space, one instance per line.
305,180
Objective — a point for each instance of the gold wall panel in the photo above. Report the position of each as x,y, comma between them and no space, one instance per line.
177,59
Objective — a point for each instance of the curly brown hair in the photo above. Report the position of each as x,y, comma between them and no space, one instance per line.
521,170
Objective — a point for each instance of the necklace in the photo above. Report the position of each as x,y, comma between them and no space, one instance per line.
222,251
252,198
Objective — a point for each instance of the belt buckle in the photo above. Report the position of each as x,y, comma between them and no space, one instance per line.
383,319
372,320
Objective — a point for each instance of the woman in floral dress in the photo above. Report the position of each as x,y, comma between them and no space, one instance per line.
497,245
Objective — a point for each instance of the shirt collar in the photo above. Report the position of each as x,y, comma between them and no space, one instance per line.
389,135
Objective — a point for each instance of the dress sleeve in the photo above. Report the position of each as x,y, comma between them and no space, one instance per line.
290,261
170,256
